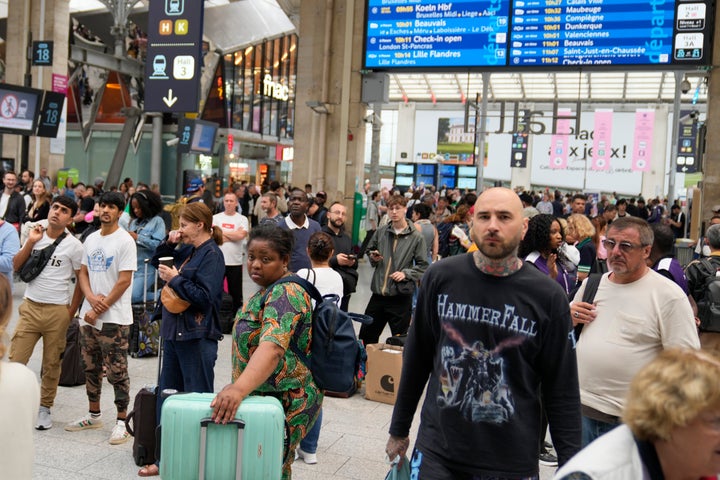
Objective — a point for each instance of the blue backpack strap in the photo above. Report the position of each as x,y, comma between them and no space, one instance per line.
314,294
307,286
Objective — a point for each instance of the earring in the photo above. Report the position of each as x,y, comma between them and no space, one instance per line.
285,268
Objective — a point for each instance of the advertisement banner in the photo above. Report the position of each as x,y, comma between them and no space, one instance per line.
559,141
602,139
642,143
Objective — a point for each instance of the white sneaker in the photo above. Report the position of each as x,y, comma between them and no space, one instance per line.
84,423
119,434
309,458
44,421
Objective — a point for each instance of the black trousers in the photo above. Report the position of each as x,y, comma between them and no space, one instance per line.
395,310
234,276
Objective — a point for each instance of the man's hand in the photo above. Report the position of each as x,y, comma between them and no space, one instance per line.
582,312
346,260
375,256
36,234
90,317
398,276
397,446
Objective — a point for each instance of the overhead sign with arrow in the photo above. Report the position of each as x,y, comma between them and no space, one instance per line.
174,55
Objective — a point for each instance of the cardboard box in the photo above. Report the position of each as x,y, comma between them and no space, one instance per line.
384,366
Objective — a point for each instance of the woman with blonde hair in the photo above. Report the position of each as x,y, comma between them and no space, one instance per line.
671,425
19,403
580,232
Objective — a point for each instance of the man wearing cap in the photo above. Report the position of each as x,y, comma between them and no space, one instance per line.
195,190
317,210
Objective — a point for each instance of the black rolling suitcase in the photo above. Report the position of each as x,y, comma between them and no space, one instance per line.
145,332
141,421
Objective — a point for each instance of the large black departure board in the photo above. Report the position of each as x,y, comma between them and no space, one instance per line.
429,34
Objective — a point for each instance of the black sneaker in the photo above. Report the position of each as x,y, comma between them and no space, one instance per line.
548,459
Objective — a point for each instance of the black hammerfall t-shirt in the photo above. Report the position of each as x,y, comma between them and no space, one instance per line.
486,346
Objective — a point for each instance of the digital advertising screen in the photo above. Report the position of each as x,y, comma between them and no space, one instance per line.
467,171
467,183
203,137
528,34
404,169
19,109
426,169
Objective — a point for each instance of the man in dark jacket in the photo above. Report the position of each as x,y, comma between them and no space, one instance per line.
342,261
12,204
398,253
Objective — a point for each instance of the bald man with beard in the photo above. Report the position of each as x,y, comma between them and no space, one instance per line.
491,336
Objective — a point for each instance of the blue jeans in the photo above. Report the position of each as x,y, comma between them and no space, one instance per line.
188,366
592,429
139,282
310,442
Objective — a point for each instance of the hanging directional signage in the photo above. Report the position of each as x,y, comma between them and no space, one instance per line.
50,114
172,69
42,53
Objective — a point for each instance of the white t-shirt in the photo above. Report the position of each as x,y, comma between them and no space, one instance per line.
51,286
634,323
326,280
105,257
19,403
234,252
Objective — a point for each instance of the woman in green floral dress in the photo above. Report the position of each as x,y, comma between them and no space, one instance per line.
263,359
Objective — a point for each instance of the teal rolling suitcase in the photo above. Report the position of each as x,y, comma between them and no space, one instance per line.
193,447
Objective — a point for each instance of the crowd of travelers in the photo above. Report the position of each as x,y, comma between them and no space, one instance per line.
519,311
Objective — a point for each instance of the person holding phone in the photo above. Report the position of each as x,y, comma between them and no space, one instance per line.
343,261
398,253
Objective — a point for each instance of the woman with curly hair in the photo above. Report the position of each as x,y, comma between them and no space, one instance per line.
147,229
580,232
541,247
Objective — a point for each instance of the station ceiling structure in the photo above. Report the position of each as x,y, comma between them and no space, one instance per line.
607,87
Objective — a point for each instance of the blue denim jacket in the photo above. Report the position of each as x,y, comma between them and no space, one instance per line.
201,283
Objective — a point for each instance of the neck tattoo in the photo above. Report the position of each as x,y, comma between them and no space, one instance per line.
498,268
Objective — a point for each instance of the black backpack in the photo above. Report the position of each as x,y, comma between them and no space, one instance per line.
709,305
336,354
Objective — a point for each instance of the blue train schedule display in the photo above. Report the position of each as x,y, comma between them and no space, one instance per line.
592,32
482,35
407,33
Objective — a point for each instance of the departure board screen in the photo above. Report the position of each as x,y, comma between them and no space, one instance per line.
428,34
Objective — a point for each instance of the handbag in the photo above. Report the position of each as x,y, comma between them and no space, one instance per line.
169,297
399,473
406,287
37,260
171,301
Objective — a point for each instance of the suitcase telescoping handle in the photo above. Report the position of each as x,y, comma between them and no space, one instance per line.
203,446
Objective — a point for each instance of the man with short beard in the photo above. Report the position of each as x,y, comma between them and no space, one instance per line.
342,261
636,313
12,204
491,337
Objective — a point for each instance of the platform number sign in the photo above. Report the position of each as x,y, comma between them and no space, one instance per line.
50,114
42,54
